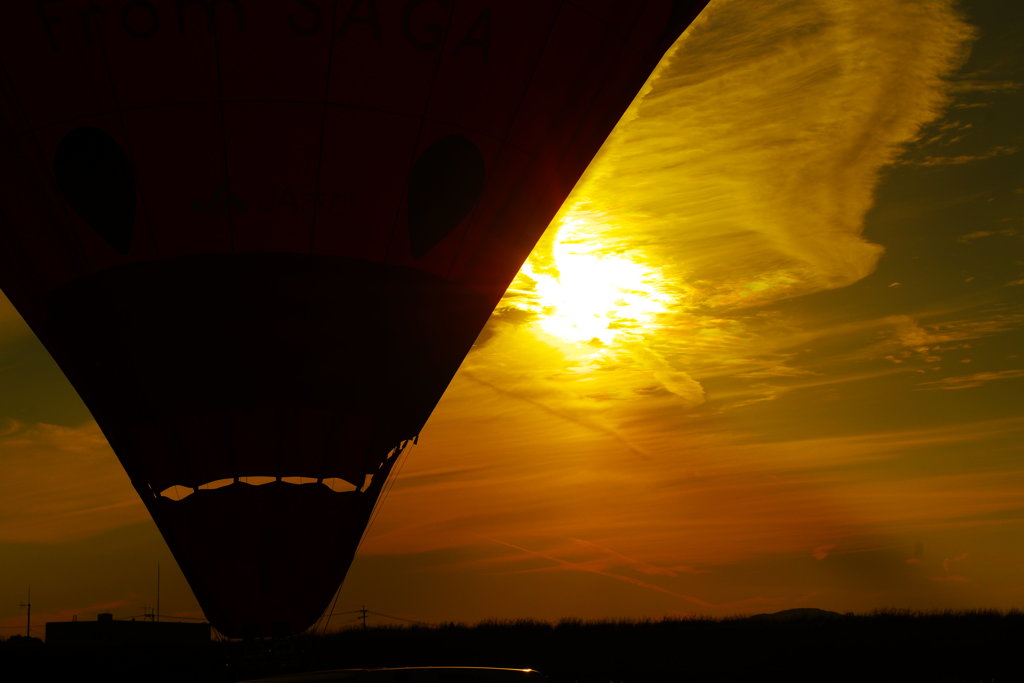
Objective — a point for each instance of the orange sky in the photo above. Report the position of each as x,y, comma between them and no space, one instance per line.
767,357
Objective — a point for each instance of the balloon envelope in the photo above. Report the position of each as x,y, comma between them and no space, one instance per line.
259,238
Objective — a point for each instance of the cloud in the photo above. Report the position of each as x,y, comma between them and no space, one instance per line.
910,333
979,234
924,336
703,492
972,85
618,558
955,160
682,385
740,179
822,551
11,323
950,576
600,568
971,381
946,133
767,131
947,564
63,482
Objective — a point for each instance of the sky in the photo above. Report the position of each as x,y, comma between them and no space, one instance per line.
768,356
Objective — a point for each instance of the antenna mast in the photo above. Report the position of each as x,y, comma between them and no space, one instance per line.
28,616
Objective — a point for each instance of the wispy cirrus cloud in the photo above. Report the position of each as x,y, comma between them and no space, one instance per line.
958,159
950,569
64,482
971,381
927,335
792,117
705,492
11,323
981,234
601,568
742,178
978,83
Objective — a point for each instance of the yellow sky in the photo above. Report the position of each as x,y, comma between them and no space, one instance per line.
697,420
734,376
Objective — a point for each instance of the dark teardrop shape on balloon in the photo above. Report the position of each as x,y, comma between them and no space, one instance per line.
96,178
445,184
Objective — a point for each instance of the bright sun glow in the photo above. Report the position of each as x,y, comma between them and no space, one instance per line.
587,293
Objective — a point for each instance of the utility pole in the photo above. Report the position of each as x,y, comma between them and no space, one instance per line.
362,616
28,616
157,617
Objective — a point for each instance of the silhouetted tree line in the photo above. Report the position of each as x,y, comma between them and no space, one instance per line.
883,646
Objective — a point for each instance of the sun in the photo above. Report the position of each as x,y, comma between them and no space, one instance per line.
584,291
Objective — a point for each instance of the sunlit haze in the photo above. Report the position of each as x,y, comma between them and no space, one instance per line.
583,293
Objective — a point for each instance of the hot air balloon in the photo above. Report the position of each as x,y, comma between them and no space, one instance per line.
259,238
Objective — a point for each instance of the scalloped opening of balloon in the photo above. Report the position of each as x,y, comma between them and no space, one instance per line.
216,484
335,484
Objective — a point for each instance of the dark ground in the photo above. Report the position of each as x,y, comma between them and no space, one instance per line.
797,646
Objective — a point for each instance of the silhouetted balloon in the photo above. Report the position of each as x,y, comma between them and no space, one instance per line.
259,238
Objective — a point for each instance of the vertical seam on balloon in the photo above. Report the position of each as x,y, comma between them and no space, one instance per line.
83,258
623,47
323,126
228,204
624,44
503,139
284,425
329,439
223,139
19,243
593,15
419,131
119,112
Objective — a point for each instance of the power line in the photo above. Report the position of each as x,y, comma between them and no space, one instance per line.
391,616
149,615
364,613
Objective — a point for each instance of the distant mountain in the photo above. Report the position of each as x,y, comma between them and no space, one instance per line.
798,614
